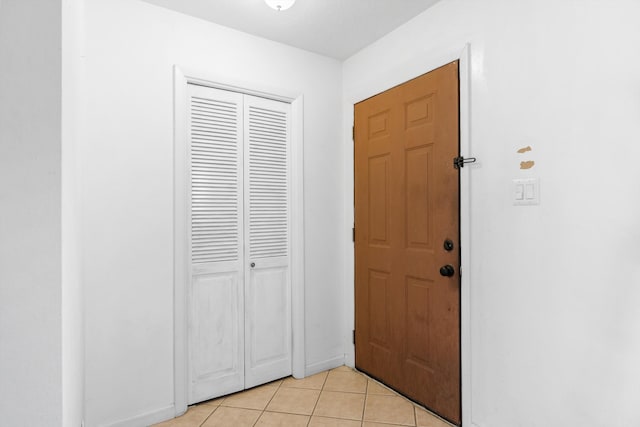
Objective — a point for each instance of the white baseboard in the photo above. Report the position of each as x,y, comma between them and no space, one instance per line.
325,365
147,419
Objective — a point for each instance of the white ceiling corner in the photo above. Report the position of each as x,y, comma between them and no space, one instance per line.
334,28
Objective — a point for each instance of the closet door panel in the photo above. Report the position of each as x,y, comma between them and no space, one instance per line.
267,198
268,315
216,347
216,290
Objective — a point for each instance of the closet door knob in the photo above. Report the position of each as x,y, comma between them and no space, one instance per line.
253,264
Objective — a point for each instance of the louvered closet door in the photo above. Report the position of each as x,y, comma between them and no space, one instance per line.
240,290
268,285
216,292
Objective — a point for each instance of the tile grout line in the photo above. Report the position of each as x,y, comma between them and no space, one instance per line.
366,396
347,392
265,406
318,400
208,416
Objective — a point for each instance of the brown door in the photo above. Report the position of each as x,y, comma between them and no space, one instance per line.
406,207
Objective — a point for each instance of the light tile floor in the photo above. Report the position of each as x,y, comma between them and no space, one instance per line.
336,398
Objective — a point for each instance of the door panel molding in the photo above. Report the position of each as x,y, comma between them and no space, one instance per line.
387,80
183,77
215,299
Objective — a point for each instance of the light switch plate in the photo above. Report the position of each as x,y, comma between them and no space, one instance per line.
526,191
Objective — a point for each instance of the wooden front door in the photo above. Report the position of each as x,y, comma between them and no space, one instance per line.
407,291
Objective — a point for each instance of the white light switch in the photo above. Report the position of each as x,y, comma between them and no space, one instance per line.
529,192
519,192
526,191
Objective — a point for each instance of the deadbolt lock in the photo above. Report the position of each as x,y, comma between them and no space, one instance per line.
448,245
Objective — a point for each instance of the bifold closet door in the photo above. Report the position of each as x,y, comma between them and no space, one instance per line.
239,298
216,291
267,280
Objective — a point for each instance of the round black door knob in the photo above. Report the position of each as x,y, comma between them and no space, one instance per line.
447,270
253,264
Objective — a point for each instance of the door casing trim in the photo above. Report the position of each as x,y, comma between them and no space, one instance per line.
181,78
430,63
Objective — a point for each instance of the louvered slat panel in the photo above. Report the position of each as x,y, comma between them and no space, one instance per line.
214,180
268,183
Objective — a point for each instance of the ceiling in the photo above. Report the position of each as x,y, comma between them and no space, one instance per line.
334,28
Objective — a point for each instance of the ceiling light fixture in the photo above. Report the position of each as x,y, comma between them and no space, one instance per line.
280,5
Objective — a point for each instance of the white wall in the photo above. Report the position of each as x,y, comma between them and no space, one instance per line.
30,215
127,183
555,288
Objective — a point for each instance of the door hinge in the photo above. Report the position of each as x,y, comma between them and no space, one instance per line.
353,133
354,337
353,234
459,162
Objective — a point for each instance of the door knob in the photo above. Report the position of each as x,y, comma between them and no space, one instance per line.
447,270
253,264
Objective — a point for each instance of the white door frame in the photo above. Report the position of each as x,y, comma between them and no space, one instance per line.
420,67
182,77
